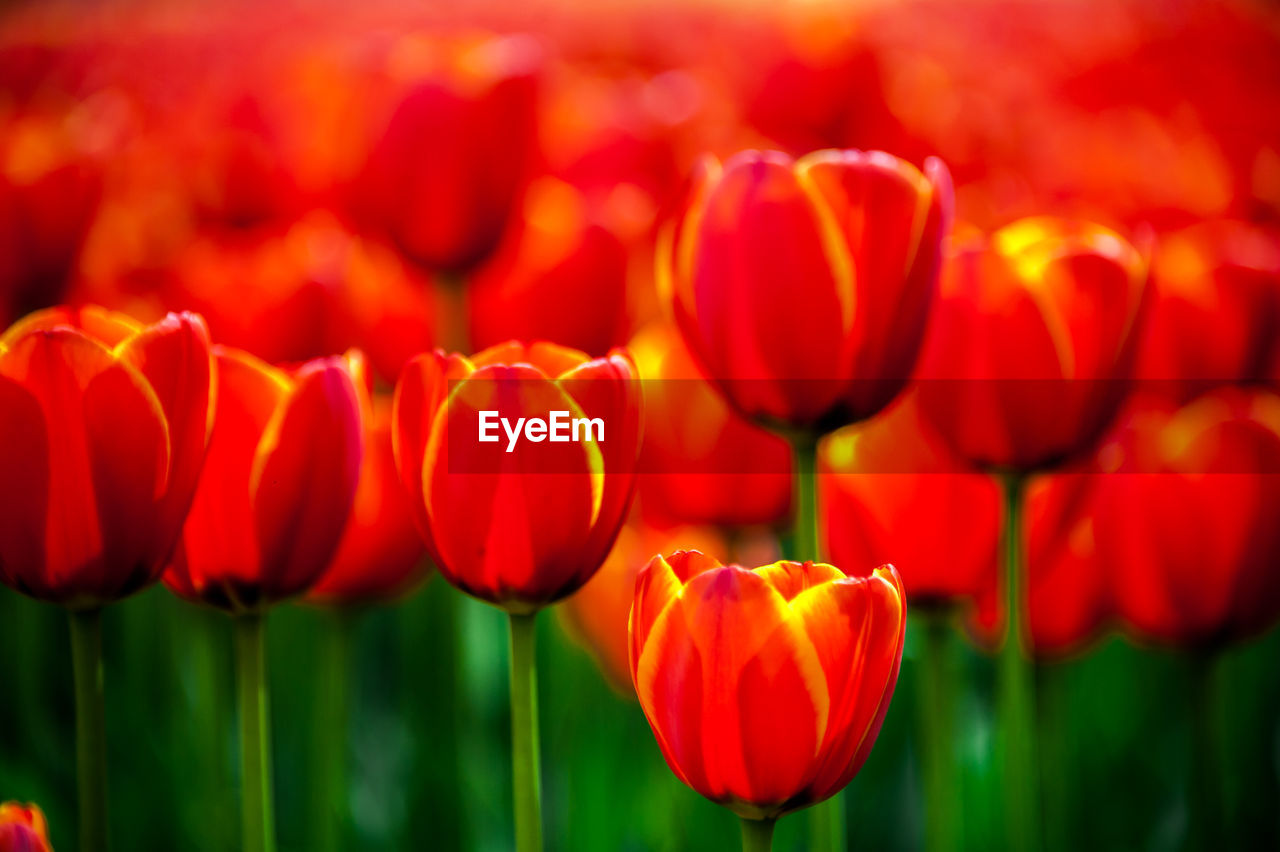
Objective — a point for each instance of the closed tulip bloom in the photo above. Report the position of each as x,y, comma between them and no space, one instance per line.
443,178
104,432
519,529
803,287
1033,341
1215,311
23,829
276,493
1191,522
381,555
765,687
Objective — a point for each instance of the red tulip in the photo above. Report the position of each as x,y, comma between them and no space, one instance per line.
526,527
561,277
381,555
1032,342
765,688
803,287
104,433
49,192
597,613
897,492
702,462
23,829
1190,524
443,178
1215,312
276,493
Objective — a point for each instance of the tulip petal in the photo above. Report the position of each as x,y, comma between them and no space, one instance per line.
24,489
305,476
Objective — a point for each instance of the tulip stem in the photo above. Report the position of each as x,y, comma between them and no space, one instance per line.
1205,790
757,835
91,732
1017,686
826,820
524,734
255,734
330,730
937,746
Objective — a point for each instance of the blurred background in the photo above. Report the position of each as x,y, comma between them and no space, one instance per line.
395,176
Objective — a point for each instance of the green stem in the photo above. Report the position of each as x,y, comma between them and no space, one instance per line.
329,730
826,820
757,835
524,734
937,741
453,317
91,733
1017,687
1205,790
255,734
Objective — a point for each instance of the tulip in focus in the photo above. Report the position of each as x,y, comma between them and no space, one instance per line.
23,829
803,287
720,654
105,427
519,530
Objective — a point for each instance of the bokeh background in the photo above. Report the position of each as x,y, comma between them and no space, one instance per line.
316,176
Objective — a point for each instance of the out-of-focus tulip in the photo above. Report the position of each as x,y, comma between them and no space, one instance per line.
103,434
23,829
278,486
1215,311
1190,525
892,477
443,178
561,277
309,290
49,192
702,463
803,287
381,555
720,654
521,528
1032,342
597,613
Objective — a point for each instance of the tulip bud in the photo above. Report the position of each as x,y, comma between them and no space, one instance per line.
1032,344
103,437
23,829
517,524
803,287
271,506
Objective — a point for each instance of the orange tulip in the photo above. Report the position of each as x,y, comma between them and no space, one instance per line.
103,436
1190,523
275,496
524,528
765,688
1033,341
381,556
803,287
23,829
